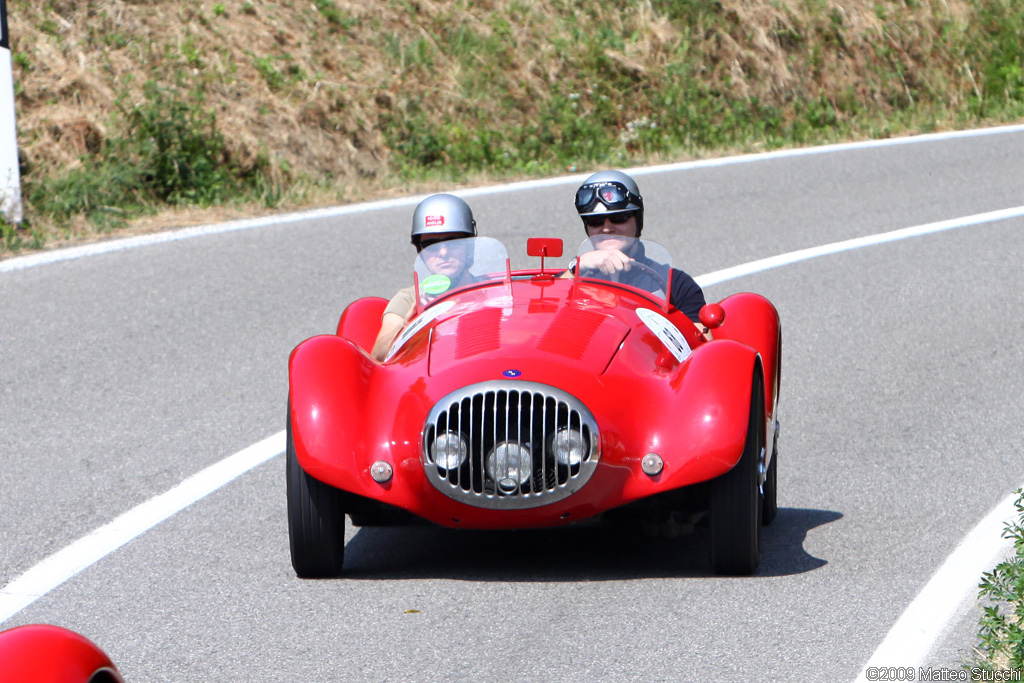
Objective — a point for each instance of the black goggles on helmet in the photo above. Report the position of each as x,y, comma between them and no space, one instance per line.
613,195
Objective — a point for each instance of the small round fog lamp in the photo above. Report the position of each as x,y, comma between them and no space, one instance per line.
509,464
381,471
652,464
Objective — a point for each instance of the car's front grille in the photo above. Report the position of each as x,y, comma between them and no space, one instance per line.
506,444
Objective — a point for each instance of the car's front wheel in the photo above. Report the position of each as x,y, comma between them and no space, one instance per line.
316,522
736,501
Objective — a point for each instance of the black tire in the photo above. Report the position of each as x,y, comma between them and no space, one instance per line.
736,501
770,499
316,522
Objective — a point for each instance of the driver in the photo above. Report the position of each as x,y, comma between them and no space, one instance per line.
612,210
437,219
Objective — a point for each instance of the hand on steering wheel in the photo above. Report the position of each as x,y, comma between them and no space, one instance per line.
605,261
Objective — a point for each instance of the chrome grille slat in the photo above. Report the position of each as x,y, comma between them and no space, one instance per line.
470,403
526,414
544,442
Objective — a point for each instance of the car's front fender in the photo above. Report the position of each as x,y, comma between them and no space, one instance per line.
699,426
327,378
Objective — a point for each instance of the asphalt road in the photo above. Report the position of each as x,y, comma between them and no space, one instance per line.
902,389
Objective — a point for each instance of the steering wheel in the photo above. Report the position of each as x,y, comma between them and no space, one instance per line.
633,263
597,274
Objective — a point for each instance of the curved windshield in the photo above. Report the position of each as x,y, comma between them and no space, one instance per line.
626,260
446,266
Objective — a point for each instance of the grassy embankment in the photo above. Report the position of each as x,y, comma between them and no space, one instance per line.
135,115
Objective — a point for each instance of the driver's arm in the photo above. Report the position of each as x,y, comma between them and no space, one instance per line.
395,316
390,325
606,261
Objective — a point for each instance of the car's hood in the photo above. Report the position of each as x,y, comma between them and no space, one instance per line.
566,333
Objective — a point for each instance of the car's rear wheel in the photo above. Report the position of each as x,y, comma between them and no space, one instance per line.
316,522
736,501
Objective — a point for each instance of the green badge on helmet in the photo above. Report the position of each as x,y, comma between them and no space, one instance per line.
436,284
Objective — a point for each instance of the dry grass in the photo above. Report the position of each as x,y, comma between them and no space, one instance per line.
76,78
323,89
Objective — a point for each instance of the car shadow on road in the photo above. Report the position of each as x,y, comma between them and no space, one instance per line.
595,552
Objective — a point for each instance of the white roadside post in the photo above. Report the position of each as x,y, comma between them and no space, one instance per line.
10,178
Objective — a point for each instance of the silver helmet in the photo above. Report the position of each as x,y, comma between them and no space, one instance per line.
610,192
441,213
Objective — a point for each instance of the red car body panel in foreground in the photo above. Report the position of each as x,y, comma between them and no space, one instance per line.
584,337
40,653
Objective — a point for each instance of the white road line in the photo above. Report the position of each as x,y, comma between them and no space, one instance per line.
911,639
856,243
72,253
86,551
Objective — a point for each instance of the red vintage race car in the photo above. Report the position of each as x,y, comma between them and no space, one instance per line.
535,398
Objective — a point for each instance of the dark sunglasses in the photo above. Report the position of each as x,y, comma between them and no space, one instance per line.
598,220
612,194
424,243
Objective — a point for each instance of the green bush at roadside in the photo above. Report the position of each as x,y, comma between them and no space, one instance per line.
1001,592
169,154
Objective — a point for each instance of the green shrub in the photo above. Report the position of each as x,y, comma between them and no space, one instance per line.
334,16
996,47
180,150
265,66
170,153
12,239
1001,630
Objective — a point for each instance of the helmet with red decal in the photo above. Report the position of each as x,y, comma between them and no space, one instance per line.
609,193
442,214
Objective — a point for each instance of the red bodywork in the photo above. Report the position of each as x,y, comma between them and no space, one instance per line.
583,337
42,653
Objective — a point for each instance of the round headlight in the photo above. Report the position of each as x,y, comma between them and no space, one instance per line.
568,446
509,465
450,450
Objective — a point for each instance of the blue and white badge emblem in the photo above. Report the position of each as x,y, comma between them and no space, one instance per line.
512,373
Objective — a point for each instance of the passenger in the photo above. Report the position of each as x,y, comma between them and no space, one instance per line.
612,210
437,219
